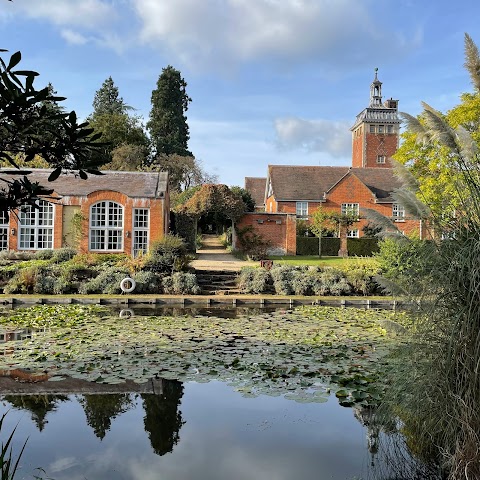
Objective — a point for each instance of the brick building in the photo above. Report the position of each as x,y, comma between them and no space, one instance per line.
368,183
119,212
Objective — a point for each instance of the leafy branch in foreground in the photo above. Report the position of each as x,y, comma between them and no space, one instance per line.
29,127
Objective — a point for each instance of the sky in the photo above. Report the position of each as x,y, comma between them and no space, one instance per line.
272,81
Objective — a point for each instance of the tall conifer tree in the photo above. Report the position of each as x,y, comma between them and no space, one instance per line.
168,124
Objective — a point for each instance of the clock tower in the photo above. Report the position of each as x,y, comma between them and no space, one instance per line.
375,134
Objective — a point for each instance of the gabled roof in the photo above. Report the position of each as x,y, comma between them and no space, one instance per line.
295,183
132,184
256,187
291,183
380,181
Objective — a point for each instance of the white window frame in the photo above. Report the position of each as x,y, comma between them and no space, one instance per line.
372,129
104,227
381,129
36,226
381,158
398,212
301,209
351,208
4,227
390,129
354,233
140,230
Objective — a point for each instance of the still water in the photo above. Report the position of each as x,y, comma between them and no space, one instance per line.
202,431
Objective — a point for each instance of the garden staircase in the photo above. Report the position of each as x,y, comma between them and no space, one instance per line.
217,282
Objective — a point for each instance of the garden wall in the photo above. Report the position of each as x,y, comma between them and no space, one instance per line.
277,228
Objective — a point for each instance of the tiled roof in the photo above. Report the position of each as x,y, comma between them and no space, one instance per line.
132,184
290,183
256,187
293,183
381,181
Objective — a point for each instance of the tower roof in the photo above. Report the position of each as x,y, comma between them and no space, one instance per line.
376,110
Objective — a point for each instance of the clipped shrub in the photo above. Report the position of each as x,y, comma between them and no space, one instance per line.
362,247
63,254
44,284
301,282
282,277
62,286
254,280
309,246
107,282
361,281
147,282
167,255
43,254
181,283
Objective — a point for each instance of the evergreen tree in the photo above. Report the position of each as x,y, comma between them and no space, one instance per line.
168,124
118,128
108,101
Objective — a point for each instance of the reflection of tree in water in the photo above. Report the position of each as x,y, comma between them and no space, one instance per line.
37,405
163,419
101,409
386,440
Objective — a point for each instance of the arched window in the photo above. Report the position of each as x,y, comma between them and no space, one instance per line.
106,226
36,227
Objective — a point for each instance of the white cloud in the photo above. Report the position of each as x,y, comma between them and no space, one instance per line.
74,38
84,13
228,32
314,136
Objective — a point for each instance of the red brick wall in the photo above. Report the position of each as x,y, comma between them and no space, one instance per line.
357,149
159,216
279,229
380,145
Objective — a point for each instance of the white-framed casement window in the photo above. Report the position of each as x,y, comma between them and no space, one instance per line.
141,223
302,209
381,129
372,128
353,233
3,231
106,227
398,213
36,226
389,128
351,209
381,158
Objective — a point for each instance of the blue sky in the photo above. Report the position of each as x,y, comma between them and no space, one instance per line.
272,81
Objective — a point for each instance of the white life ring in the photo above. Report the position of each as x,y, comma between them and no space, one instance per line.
124,285
126,312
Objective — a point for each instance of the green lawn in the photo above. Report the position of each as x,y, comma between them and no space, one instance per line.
314,260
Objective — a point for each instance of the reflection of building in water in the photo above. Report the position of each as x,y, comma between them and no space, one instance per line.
14,335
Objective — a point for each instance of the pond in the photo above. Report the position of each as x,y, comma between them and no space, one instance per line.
284,395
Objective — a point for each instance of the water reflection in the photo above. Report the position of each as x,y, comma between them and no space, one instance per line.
207,431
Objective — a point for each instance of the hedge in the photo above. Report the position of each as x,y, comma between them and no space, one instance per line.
309,246
360,247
